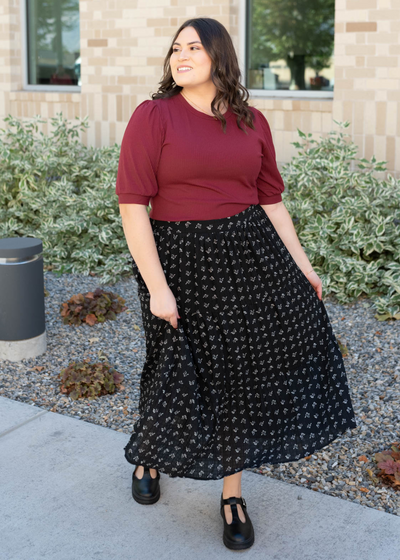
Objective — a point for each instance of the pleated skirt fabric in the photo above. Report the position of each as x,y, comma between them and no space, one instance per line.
253,374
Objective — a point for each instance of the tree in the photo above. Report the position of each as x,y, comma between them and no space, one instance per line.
299,31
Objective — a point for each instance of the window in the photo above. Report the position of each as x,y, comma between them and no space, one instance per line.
289,46
53,43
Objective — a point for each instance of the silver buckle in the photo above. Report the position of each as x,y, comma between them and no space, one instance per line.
244,501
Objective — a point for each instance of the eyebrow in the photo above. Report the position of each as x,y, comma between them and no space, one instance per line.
191,43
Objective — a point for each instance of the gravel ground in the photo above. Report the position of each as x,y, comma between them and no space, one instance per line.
372,365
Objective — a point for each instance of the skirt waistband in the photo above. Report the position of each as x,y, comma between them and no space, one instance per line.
217,224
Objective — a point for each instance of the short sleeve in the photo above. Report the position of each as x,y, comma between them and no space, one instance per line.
140,155
270,185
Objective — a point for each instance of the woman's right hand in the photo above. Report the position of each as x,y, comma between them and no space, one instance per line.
163,305
315,282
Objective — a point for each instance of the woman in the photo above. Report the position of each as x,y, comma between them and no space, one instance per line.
242,367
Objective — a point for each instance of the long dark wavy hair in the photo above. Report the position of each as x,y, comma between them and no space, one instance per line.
225,71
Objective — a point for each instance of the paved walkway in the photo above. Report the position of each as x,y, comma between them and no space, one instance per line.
66,495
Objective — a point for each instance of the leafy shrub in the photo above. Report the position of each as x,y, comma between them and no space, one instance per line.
92,307
85,380
347,221
57,189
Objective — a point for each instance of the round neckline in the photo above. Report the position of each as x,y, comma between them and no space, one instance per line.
228,113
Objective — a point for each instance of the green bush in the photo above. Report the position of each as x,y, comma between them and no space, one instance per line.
55,188
347,220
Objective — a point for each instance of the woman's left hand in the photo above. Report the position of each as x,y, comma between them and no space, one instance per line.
315,282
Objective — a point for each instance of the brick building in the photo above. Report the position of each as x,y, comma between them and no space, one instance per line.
103,57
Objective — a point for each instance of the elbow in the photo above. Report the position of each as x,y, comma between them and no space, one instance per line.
131,208
272,208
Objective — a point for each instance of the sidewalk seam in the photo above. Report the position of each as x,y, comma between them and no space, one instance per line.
23,423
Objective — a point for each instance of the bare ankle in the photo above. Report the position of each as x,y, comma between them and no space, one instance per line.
139,472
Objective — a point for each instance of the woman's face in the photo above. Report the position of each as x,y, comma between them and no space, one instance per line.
192,56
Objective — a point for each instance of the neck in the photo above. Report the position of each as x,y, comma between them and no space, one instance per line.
203,93
202,96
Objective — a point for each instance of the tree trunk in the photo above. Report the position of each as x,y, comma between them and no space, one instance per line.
297,68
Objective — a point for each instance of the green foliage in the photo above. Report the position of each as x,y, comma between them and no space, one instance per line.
92,307
85,380
347,220
55,188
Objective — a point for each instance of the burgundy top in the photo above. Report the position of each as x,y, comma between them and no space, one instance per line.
181,160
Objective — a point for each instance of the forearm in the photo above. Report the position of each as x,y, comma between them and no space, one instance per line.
283,224
140,240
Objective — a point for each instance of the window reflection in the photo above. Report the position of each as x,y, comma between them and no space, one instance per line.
290,44
53,42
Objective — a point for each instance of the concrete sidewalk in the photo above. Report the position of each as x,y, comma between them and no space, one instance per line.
66,495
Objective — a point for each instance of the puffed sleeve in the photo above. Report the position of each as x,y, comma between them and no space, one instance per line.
270,185
140,154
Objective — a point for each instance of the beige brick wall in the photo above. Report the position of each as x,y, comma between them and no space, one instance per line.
367,86
123,43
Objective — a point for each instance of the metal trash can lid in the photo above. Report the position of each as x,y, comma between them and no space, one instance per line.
20,247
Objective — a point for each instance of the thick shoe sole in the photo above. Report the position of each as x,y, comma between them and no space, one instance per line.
239,546
145,501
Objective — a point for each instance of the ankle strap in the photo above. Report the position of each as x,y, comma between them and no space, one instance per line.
233,500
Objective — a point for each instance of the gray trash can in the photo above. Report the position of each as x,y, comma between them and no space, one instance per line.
22,312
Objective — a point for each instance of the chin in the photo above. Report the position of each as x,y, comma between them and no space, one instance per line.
184,84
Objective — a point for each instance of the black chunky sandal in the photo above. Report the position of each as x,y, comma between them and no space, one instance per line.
237,535
146,490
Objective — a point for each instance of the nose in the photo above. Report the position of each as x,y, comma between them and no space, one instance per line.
182,56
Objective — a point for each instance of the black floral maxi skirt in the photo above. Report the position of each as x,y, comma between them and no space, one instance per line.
253,374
